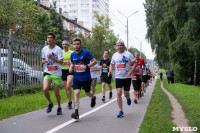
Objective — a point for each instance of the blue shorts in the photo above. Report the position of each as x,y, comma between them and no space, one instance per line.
86,85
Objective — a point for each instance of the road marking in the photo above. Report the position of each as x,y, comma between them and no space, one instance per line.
83,115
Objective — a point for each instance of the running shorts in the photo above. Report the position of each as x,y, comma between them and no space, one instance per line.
82,85
56,79
66,73
123,83
136,84
106,80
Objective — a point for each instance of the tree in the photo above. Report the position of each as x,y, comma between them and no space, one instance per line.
102,37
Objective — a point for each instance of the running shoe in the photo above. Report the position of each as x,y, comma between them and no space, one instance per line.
93,102
75,115
103,99
135,101
129,101
110,95
121,114
69,105
59,111
49,108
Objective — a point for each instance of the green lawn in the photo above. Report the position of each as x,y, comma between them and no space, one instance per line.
20,104
158,115
189,98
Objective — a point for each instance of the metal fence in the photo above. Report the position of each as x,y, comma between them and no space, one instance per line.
20,65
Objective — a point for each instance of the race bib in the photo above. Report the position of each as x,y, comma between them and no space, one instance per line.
52,68
121,66
78,68
105,70
66,63
134,77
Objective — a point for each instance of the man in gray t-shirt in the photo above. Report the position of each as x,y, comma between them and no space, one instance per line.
169,75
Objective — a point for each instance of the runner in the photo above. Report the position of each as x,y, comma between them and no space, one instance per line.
81,60
161,75
104,65
121,60
52,58
144,79
67,77
93,73
136,79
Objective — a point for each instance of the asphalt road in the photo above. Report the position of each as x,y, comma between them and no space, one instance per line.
100,119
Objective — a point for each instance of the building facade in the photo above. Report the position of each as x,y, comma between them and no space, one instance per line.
83,11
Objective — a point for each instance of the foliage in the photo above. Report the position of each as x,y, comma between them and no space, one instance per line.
102,37
174,33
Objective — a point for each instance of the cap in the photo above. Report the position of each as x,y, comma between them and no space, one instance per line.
65,42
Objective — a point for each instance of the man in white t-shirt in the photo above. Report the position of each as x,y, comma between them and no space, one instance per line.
122,61
93,73
52,58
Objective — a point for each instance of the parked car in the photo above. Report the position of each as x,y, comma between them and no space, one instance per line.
35,77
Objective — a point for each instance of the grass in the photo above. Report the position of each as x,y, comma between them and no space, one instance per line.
20,104
189,98
158,115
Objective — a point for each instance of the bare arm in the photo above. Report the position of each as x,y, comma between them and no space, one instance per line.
135,64
111,69
44,61
71,67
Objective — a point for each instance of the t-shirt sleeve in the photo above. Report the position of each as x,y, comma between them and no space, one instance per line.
89,55
60,54
112,60
132,58
43,55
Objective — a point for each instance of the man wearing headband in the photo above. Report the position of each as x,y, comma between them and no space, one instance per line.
67,77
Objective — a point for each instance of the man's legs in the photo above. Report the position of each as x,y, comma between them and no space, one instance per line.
168,80
103,91
110,93
68,87
56,91
76,96
46,86
119,98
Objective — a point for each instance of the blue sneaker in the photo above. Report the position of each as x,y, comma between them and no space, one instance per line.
121,114
129,101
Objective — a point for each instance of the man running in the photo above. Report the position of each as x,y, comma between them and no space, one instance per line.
52,58
144,78
104,65
121,60
93,73
81,60
67,77
136,79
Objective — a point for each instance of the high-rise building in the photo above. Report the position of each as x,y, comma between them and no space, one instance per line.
83,11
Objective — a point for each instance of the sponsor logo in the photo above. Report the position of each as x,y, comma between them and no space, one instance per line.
186,129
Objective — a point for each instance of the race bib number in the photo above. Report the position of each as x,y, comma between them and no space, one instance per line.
134,77
78,68
121,66
66,63
105,70
52,68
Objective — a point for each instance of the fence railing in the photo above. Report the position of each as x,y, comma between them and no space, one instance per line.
20,63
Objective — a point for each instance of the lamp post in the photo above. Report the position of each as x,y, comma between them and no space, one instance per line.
127,23
140,45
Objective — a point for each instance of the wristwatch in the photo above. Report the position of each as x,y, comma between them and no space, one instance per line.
87,66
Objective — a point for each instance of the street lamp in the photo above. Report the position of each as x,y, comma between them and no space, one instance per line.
140,45
127,23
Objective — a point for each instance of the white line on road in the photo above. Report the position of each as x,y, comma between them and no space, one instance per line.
83,115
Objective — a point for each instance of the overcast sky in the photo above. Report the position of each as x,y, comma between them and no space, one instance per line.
136,23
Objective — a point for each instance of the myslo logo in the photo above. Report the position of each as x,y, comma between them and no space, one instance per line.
186,129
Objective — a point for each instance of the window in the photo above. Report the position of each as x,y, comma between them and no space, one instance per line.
73,5
84,0
64,6
95,6
64,0
73,11
95,12
84,11
95,0
84,5
85,18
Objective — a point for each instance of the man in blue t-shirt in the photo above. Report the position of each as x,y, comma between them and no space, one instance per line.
81,60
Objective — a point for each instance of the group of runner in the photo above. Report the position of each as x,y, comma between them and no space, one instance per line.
80,68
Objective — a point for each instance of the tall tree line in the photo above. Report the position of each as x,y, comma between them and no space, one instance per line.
174,34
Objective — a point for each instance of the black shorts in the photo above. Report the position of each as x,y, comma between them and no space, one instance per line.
66,73
126,83
144,78
136,84
82,84
106,80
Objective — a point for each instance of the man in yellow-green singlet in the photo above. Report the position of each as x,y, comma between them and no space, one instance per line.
67,77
